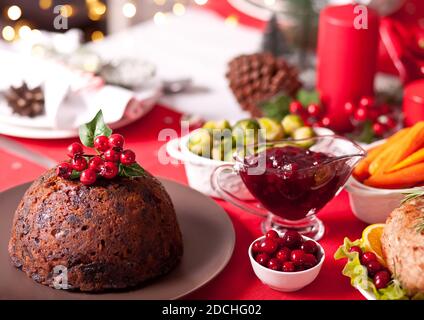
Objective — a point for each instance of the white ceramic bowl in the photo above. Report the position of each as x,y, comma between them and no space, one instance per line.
373,205
199,169
286,281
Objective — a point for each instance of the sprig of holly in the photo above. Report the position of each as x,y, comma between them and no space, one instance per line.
110,160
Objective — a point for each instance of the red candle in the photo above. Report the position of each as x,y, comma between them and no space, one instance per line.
413,102
347,59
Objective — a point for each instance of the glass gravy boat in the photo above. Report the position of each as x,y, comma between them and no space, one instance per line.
289,196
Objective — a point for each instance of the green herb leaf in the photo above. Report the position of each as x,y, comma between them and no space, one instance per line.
276,108
75,175
367,134
307,97
92,129
132,170
412,195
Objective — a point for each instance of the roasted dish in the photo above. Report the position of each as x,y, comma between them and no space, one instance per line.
403,245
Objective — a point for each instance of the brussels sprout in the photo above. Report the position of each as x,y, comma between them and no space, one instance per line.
272,129
223,124
291,122
200,142
246,132
304,133
222,147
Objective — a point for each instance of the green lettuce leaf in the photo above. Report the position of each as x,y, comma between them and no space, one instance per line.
359,276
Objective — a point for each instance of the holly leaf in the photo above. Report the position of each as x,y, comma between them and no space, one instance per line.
132,170
276,108
306,97
75,175
92,129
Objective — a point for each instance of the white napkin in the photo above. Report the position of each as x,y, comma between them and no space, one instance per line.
71,97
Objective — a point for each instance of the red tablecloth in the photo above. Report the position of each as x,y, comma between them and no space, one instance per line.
237,281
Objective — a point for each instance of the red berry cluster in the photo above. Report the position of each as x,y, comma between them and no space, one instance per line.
106,164
312,114
368,109
380,275
288,253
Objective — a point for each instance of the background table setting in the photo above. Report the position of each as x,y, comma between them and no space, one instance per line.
161,75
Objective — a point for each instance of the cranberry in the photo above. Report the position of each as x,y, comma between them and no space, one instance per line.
361,114
274,264
288,266
296,107
256,247
291,239
283,254
314,110
356,249
262,259
127,157
74,149
109,170
88,177
366,102
272,234
309,246
269,246
101,143
368,257
384,109
349,108
112,155
373,267
325,122
64,170
382,279
297,257
95,163
309,261
391,122
116,140
379,129
79,163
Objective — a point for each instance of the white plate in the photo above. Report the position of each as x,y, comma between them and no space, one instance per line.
134,111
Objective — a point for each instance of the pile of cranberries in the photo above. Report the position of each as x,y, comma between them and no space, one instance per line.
288,253
368,109
380,275
105,164
365,109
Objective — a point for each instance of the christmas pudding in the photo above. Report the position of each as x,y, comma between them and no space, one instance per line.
96,222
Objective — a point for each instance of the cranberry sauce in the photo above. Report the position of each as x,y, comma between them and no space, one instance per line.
295,180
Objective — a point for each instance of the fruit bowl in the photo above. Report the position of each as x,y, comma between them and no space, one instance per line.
286,281
373,205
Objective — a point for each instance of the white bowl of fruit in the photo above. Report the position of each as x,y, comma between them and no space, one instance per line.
213,145
288,262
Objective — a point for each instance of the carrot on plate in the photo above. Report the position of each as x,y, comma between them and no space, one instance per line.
404,178
399,150
415,158
361,171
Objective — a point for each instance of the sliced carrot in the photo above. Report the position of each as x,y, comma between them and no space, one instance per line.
415,158
399,150
361,170
404,178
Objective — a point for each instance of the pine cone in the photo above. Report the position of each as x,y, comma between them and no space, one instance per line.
258,77
25,101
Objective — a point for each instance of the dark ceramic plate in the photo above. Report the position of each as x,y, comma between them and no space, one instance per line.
208,236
